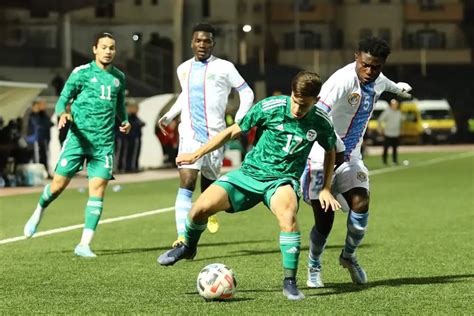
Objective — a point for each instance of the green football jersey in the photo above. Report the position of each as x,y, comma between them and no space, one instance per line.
97,97
285,142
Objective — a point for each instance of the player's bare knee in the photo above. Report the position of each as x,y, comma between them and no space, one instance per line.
188,184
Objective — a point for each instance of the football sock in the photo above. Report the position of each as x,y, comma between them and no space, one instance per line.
317,243
47,197
193,233
356,227
182,207
92,213
290,244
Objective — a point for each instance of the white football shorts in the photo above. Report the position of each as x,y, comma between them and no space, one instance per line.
210,164
350,174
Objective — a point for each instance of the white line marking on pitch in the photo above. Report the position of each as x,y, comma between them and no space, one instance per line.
168,209
73,227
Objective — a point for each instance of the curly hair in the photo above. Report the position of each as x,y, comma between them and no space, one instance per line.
204,27
375,47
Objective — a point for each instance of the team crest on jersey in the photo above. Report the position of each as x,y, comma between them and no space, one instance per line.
311,135
354,99
116,82
361,176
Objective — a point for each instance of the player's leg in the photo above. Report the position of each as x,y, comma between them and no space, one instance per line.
312,182
352,179
211,201
284,204
92,214
318,239
69,162
99,170
210,171
183,201
50,192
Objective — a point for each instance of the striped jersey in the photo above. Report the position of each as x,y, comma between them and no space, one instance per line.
205,89
350,105
97,96
285,142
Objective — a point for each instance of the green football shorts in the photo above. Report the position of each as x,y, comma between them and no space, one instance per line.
73,154
245,192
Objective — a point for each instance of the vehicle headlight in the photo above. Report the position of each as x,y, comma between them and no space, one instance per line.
425,125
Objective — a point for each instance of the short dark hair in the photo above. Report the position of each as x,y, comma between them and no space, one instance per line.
374,46
204,27
306,84
102,35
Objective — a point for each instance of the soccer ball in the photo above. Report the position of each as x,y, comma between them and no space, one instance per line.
216,282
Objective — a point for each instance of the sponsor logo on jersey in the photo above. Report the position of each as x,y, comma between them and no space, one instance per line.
94,79
354,99
311,135
361,176
116,82
280,127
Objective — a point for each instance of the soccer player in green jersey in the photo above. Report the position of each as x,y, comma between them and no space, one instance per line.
288,127
98,93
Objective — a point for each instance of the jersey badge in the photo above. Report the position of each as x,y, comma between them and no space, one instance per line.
116,82
354,99
94,80
361,176
311,135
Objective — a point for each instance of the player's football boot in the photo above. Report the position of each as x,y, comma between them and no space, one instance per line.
178,241
30,227
212,224
84,251
290,290
314,277
174,255
358,274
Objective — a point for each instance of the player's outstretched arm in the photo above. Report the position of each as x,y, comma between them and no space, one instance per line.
217,141
326,199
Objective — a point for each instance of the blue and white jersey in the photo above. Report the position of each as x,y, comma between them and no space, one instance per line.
205,88
350,105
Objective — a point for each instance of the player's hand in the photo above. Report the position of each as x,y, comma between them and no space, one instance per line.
186,159
63,119
125,128
327,201
405,88
162,123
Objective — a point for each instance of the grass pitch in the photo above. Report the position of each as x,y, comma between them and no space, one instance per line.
418,252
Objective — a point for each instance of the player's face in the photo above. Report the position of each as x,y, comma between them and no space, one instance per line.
300,106
368,67
202,45
104,51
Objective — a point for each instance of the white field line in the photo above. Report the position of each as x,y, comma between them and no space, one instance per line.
168,209
73,227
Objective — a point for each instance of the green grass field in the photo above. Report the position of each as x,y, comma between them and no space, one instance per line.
418,252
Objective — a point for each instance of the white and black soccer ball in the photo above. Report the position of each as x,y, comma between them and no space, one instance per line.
216,282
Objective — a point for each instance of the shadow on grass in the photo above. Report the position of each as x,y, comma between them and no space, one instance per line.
341,288
109,252
230,300
250,252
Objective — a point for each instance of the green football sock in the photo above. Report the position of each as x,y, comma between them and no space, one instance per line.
47,197
93,212
290,244
193,232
